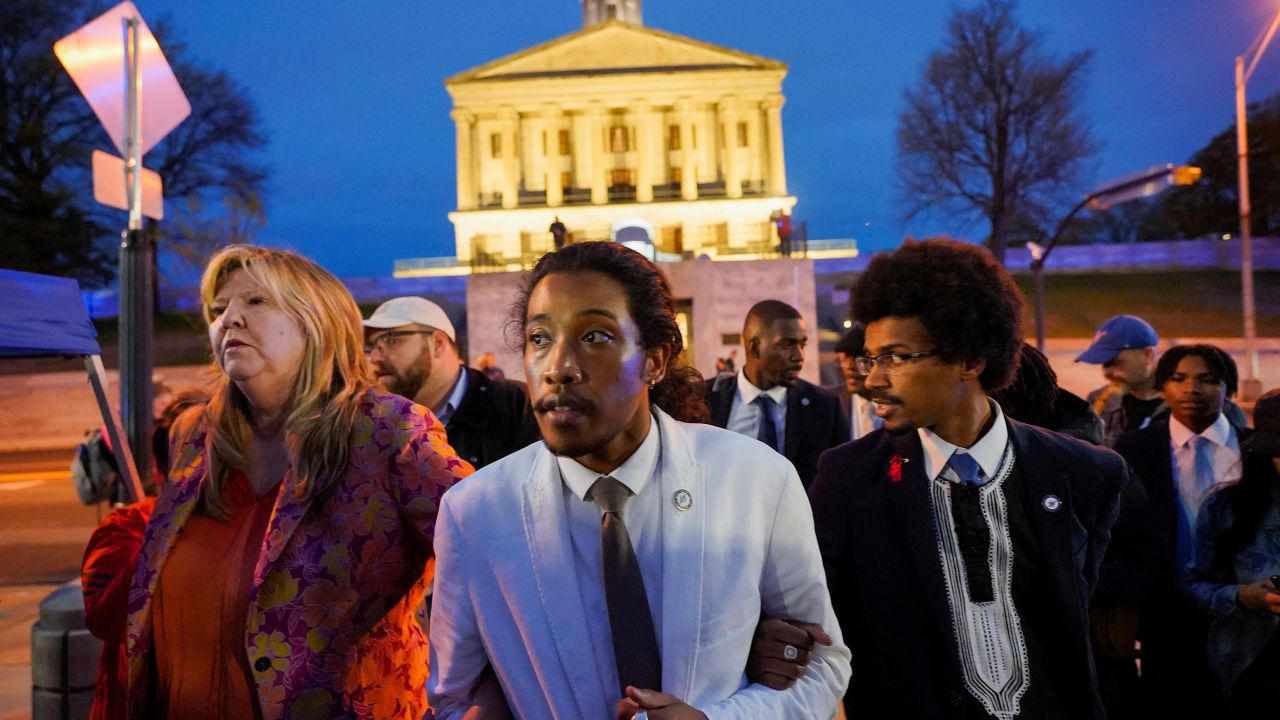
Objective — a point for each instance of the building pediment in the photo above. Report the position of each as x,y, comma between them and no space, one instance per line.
614,48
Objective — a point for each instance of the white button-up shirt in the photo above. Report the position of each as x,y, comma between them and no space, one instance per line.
1227,466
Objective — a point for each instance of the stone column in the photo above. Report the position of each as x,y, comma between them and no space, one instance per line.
755,148
463,121
582,165
510,159
599,188
728,116
777,182
688,156
643,118
554,117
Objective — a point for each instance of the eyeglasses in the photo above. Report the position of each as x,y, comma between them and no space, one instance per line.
889,363
386,341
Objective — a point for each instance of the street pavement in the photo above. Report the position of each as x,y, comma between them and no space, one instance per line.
43,531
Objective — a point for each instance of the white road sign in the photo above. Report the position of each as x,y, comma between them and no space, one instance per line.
94,58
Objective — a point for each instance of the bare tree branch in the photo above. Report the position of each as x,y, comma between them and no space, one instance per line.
991,130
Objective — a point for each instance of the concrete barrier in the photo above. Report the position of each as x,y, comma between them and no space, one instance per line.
43,411
64,658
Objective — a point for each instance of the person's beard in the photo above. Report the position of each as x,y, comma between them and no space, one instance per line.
409,383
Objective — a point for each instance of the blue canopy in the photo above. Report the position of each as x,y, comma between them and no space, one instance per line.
42,315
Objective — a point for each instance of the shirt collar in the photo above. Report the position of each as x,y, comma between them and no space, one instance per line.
988,451
454,401
748,392
1219,432
635,472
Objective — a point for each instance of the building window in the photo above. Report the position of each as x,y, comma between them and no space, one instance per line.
674,176
566,180
495,145
673,137
673,239
566,147
694,134
742,134
620,177
619,139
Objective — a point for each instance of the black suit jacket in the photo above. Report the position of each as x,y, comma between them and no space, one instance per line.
493,420
883,569
814,421
1173,631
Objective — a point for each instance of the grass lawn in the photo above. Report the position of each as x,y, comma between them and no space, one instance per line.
1177,304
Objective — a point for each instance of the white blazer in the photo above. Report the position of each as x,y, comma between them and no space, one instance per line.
506,590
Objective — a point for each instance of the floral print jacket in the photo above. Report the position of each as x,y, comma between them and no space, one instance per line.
331,630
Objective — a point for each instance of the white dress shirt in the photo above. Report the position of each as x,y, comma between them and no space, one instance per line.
744,414
988,451
643,517
862,417
1227,466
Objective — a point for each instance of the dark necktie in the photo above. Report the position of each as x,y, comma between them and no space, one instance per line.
970,525
635,644
768,432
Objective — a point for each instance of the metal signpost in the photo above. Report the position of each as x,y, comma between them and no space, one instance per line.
113,60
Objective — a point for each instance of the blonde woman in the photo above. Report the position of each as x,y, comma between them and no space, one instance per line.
283,563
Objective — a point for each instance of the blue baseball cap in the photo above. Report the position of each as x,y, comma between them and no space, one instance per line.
1121,332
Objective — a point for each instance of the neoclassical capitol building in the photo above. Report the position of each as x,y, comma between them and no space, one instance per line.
618,131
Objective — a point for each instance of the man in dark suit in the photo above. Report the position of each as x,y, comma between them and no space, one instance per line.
411,345
961,547
768,401
1179,458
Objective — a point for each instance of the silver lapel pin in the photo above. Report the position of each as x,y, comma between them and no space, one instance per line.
1051,503
682,499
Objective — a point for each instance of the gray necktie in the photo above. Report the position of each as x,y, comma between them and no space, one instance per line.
635,643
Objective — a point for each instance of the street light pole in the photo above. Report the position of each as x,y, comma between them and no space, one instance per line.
1250,386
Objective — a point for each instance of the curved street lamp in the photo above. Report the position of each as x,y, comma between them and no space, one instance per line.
1250,386
1143,183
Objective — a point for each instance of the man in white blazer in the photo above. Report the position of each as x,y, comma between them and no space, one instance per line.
716,529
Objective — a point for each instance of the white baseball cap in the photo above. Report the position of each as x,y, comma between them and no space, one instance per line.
409,310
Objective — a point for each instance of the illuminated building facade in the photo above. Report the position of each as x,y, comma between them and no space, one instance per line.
621,132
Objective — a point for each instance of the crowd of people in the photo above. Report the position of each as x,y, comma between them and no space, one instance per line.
354,523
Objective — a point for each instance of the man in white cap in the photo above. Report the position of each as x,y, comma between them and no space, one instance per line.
413,349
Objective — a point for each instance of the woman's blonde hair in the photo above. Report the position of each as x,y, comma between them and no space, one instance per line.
332,380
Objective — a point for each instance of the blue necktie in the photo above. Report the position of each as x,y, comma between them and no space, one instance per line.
1204,464
1204,479
966,468
768,432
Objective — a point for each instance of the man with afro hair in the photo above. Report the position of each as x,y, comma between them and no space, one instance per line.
961,547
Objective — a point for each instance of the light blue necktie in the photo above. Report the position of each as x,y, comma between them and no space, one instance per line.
1205,478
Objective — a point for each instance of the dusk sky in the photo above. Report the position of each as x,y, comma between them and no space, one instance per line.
362,148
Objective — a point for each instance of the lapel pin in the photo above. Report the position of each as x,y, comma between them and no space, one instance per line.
682,499
1051,503
804,401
